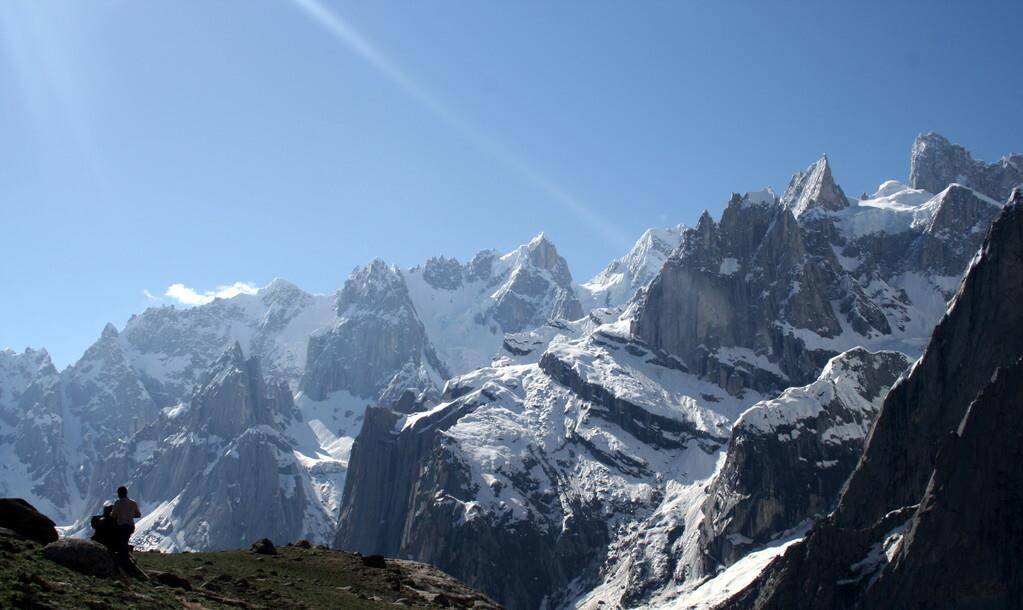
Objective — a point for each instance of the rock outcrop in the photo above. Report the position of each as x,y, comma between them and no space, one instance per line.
22,518
734,284
973,562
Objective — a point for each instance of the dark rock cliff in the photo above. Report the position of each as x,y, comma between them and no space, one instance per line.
928,517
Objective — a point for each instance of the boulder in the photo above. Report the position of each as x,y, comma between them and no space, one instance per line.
303,544
21,517
83,556
264,546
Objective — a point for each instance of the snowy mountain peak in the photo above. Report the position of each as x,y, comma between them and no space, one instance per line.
538,256
705,223
935,162
19,370
544,255
38,356
280,289
538,239
376,284
814,188
278,284
618,282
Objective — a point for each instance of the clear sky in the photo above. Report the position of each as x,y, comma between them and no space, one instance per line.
147,144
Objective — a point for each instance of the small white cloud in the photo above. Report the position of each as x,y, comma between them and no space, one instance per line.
149,295
191,297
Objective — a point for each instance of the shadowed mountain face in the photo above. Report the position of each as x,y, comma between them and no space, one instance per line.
928,517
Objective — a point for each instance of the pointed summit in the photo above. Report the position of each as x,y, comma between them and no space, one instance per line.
705,223
377,286
232,359
280,285
814,188
109,332
544,255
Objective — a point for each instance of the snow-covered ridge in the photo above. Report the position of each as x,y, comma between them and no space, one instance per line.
896,208
843,379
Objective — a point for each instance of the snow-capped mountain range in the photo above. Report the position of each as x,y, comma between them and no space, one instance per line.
653,436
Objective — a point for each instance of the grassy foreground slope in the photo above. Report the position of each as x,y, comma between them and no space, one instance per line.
294,578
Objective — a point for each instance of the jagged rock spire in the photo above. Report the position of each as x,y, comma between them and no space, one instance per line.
814,188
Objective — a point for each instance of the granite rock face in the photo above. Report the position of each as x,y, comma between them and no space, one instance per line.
376,336
763,298
731,285
928,517
34,432
973,562
936,163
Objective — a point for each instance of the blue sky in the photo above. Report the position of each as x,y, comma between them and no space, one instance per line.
148,144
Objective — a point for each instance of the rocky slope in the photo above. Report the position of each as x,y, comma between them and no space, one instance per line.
296,576
927,517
